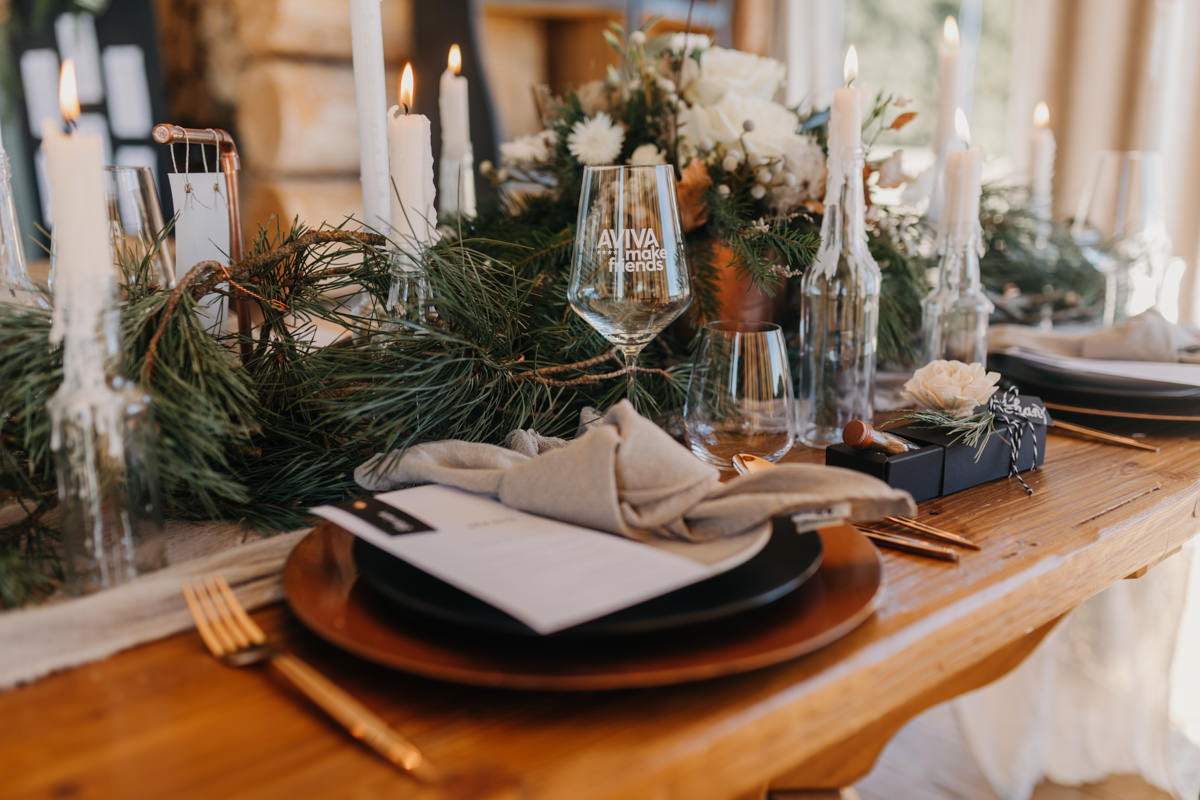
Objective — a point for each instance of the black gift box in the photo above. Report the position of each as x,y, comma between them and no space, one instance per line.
939,467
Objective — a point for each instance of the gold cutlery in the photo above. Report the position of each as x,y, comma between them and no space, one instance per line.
745,463
908,544
237,641
932,532
1100,436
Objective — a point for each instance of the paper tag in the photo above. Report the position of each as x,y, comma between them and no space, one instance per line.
202,234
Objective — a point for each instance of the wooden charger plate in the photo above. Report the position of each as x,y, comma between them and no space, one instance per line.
323,590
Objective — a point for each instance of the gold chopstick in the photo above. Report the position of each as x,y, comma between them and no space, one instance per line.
909,545
1102,436
932,532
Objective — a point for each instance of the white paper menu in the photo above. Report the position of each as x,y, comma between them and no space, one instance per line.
548,574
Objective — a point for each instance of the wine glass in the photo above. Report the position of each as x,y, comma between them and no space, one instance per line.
739,397
1119,227
629,278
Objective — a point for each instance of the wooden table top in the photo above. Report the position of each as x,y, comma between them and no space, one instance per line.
166,720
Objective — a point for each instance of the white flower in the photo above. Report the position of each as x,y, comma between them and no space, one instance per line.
803,176
638,38
729,164
724,71
686,43
593,96
763,175
723,190
758,192
951,386
526,151
647,154
596,141
722,122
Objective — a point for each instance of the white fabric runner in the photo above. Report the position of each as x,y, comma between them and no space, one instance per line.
67,632
1097,698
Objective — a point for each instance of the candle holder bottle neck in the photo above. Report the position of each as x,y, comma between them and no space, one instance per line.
954,316
16,285
844,226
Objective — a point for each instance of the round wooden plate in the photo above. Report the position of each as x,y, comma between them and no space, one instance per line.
323,590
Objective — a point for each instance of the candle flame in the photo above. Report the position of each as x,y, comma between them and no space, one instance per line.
406,87
850,68
1041,115
68,92
960,126
454,60
950,32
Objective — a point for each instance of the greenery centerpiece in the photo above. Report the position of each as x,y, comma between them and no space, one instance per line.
263,438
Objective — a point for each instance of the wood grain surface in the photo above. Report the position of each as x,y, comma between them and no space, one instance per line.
166,720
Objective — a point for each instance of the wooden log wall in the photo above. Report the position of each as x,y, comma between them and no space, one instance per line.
295,108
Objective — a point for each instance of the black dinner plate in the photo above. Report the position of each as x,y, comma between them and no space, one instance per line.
1117,395
784,563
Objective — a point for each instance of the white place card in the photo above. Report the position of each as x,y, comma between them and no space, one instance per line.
550,575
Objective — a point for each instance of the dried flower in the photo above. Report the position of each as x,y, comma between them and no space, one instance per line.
951,386
693,183
525,151
730,163
647,154
891,170
596,141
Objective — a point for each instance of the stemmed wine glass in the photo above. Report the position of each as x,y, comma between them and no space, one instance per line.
629,278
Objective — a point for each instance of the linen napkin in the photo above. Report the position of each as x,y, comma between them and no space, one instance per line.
627,476
1147,337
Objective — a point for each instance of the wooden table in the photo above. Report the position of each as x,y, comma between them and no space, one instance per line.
166,720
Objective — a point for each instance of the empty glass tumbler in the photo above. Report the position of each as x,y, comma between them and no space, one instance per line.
739,396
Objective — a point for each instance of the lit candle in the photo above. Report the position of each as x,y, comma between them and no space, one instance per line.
964,169
410,150
370,94
845,120
85,279
1041,162
456,187
947,89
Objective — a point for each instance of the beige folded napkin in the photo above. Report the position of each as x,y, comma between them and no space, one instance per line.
1147,337
628,476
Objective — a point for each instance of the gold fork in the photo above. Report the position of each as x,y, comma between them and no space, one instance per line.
236,640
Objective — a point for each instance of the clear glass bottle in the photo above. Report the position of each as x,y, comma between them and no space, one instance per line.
16,286
840,312
102,437
954,316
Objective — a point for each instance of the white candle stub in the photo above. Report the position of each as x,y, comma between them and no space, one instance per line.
84,271
456,187
964,170
410,148
845,120
948,56
370,95
1041,162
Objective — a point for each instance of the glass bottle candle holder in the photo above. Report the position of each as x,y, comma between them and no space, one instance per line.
839,313
954,316
111,518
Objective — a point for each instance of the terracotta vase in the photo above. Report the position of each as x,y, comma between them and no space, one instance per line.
737,296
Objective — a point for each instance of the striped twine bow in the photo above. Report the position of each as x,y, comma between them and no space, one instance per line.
1007,408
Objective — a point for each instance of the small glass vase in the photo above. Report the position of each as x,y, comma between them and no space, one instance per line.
839,313
102,437
954,316
16,285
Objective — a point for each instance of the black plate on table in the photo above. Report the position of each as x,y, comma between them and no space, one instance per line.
784,563
1113,395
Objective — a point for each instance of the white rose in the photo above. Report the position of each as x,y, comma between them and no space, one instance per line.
724,71
951,386
722,122
647,154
